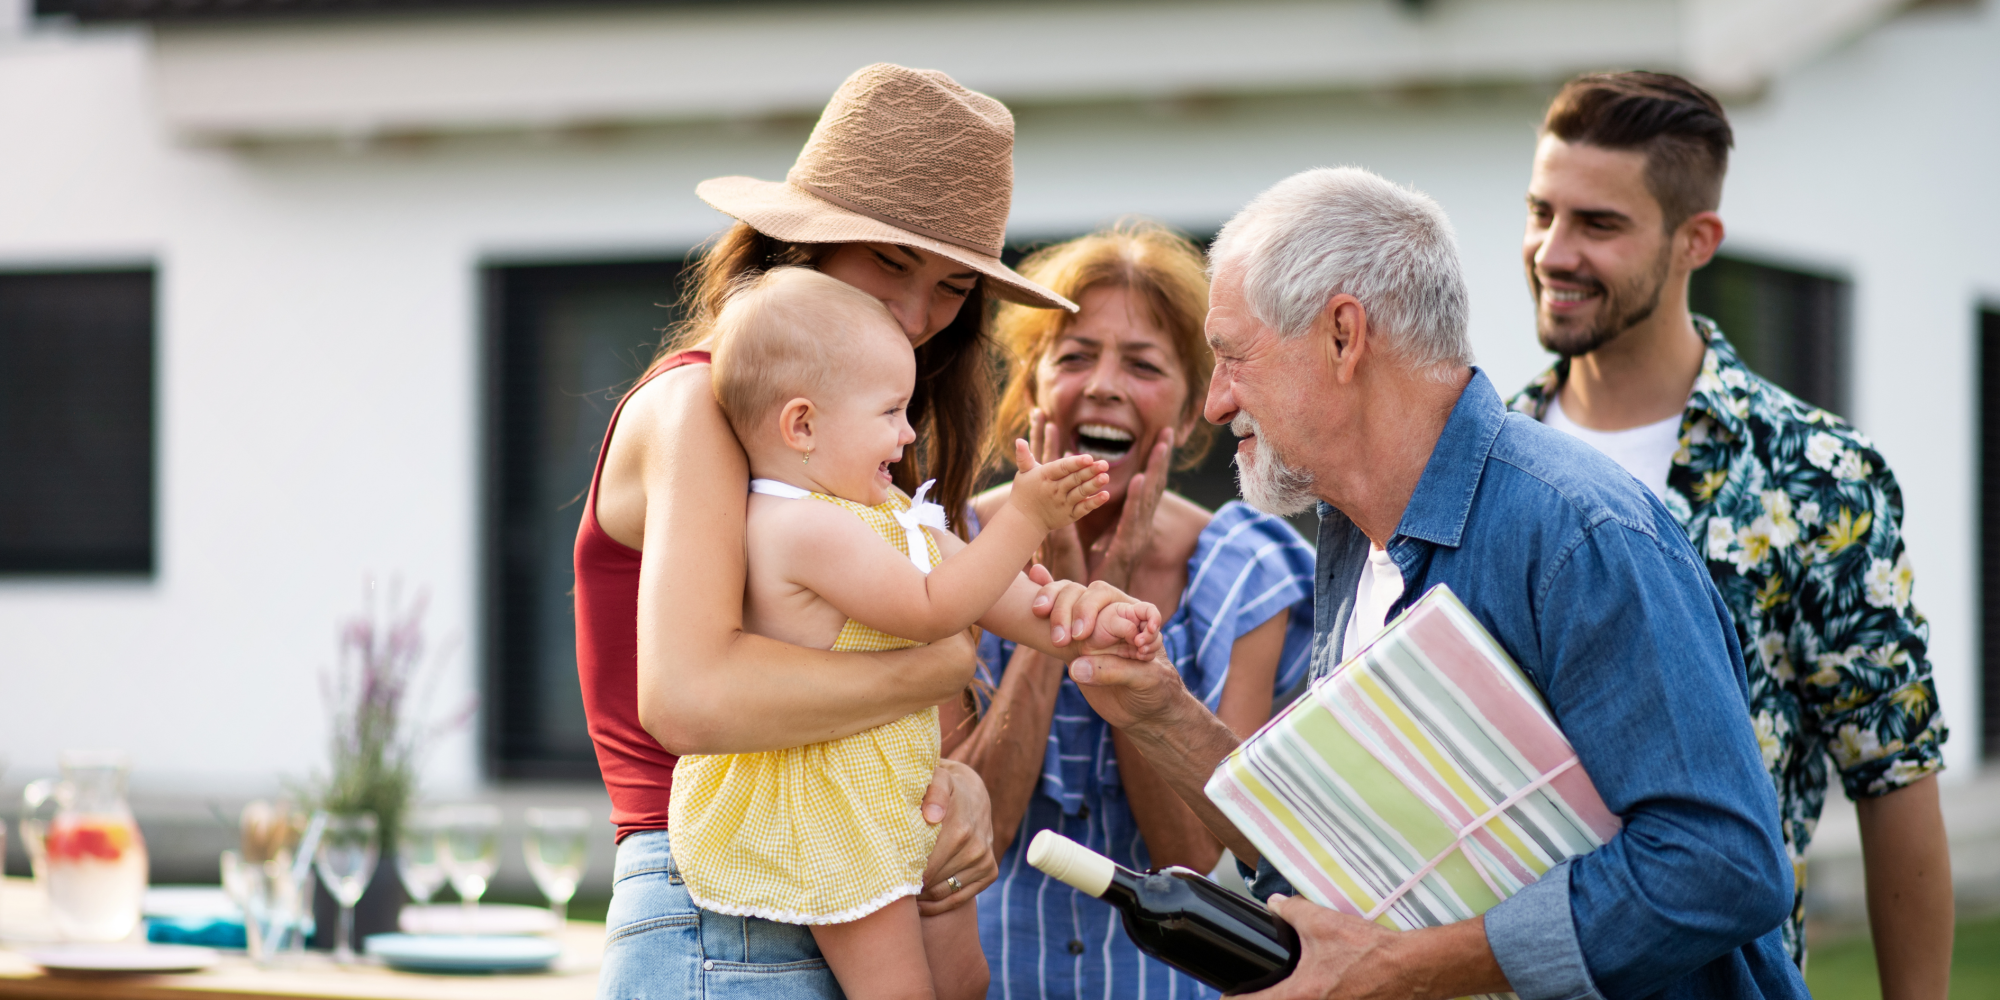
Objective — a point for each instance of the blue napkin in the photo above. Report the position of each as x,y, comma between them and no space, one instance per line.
208,932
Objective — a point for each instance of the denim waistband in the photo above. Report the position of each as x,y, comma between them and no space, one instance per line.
645,851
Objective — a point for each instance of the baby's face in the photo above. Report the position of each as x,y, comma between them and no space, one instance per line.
864,422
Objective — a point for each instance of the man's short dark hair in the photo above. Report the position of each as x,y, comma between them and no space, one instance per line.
1678,126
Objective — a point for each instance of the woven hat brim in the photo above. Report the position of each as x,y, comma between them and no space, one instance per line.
784,212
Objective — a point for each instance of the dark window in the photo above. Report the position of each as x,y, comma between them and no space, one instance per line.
567,340
1989,527
76,422
1788,326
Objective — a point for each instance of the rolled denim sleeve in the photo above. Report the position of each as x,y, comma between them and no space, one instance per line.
1534,939
1637,657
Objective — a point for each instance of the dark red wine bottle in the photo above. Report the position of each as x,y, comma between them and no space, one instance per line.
1179,916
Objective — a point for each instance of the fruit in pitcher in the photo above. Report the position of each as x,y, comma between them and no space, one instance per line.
81,841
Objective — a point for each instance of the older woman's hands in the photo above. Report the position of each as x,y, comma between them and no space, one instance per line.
1117,552
1134,534
1062,551
962,862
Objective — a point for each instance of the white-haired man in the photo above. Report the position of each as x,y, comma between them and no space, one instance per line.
1338,322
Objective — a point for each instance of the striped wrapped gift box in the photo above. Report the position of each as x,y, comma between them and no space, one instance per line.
1420,783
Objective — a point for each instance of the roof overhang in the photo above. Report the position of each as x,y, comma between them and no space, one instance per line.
512,67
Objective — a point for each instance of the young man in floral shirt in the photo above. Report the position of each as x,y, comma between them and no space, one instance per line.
1796,512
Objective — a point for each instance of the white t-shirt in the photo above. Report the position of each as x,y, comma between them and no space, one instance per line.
1646,451
1380,585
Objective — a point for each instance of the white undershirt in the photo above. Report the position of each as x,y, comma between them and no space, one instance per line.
1646,451
1380,585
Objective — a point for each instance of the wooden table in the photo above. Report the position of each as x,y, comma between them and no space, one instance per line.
22,915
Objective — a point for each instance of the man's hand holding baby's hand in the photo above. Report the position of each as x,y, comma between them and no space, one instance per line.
1055,494
1103,617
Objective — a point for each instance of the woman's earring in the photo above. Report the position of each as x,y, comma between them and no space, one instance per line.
808,460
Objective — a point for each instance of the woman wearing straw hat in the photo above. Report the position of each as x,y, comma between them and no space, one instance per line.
902,191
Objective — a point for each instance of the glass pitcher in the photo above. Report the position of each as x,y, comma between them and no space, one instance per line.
93,857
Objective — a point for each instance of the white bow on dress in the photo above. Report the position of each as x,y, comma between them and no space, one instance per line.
914,521
921,515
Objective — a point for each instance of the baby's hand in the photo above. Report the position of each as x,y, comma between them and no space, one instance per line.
1129,628
1055,494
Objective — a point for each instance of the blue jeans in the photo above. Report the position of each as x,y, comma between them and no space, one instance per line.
660,946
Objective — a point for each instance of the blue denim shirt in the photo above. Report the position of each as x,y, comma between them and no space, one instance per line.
1588,582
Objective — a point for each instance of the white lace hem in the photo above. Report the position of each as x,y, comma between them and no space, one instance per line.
846,916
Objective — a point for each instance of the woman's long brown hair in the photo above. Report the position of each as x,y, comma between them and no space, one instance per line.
953,403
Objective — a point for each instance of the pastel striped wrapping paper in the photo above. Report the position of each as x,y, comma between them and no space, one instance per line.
1428,754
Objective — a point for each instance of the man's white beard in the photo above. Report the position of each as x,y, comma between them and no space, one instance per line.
1266,481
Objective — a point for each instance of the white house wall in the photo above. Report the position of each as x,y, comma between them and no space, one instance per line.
1878,160
319,344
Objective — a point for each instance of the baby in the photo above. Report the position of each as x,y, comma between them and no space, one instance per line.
815,376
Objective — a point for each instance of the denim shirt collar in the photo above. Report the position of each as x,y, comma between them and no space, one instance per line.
1442,500
1436,514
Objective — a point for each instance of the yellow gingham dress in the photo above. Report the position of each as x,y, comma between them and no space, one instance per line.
819,834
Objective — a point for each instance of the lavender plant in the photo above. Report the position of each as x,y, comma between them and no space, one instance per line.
377,740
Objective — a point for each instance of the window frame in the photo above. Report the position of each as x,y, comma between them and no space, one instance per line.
1823,378
143,562
509,675
1986,318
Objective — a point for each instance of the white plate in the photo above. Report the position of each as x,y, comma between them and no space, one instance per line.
486,918
463,953
190,902
123,958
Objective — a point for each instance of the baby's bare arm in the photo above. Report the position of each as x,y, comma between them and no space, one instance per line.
840,558
774,605
1131,626
1024,614
837,556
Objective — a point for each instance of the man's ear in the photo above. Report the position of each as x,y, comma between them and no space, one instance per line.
795,424
1343,334
1697,238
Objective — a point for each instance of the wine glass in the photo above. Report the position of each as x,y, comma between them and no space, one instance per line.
38,806
557,853
419,856
346,861
471,849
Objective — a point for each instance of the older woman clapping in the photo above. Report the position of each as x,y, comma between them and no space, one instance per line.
1123,380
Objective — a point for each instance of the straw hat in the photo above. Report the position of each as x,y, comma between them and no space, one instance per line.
904,156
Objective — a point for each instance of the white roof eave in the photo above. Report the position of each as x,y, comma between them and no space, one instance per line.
553,69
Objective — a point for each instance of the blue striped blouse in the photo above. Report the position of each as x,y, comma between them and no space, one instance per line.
1046,940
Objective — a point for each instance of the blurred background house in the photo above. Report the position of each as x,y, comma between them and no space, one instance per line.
295,292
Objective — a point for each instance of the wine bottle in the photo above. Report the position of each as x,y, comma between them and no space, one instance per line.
1179,916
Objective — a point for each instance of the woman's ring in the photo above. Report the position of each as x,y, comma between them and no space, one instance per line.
952,880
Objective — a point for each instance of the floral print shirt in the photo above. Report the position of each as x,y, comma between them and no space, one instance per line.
1800,521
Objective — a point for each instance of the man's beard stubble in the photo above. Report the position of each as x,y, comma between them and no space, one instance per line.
1268,484
1621,308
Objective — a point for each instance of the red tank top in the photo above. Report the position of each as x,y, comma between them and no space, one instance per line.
638,772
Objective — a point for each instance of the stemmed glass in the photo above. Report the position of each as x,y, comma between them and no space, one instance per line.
38,807
557,852
419,856
346,861
471,849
